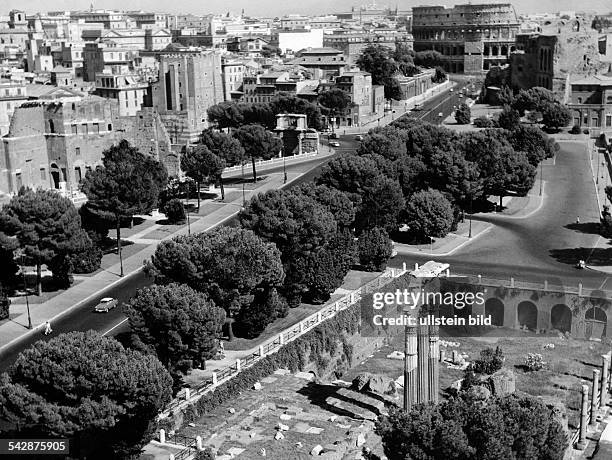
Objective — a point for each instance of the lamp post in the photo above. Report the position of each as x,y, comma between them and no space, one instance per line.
541,177
21,255
243,195
283,154
431,240
471,211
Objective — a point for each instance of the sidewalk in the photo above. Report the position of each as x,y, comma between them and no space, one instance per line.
93,286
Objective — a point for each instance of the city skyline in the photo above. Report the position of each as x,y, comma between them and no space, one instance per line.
271,8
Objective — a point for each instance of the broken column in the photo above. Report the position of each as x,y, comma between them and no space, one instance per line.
584,415
434,352
594,396
605,376
410,366
422,363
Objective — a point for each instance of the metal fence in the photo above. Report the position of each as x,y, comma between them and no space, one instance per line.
289,334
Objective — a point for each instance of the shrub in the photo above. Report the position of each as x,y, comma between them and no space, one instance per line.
534,362
508,118
469,378
490,361
206,454
429,214
575,129
375,248
463,114
175,211
86,261
484,122
586,131
5,303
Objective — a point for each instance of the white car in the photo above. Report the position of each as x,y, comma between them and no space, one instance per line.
334,144
393,250
105,305
451,90
31,271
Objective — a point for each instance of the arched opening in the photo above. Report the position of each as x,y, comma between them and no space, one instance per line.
512,49
495,50
527,315
51,126
504,50
495,309
561,318
596,322
55,175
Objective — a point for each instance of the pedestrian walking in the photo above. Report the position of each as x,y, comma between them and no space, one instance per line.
48,329
577,219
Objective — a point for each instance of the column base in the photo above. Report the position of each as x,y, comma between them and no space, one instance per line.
581,445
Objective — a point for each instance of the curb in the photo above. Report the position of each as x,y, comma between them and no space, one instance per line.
127,276
448,253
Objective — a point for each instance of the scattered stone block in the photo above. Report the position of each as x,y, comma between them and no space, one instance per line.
305,375
285,417
235,451
279,435
282,372
231,410
252,434
257,386
269,379
503,382
341,383
282,427
361,440
301,427
262,452
191,424
298,445
344,427
314,430
333,418
379,384
316,450
396,355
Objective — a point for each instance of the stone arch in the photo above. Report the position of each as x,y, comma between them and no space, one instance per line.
495,50
512,49
51,126
495,309
561,318
56,175
527,315
504,50
596,321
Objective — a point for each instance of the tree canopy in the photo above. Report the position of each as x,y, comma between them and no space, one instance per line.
378,61
258,143
45,225
429,214
89,388
223,145
179,324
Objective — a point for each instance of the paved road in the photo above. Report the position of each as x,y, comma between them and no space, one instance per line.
114,322
547,244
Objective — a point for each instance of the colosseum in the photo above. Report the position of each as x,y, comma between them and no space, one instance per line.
471,37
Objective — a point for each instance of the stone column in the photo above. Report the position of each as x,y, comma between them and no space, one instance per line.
422,363
584,413
605,380
434,353
594,396
162,436
199,442
410,365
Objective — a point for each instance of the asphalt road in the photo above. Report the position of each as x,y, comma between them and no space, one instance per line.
547,244
114,322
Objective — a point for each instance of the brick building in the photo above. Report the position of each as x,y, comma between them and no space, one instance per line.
565,51
368,99
591,103
190,82
472,37
53,144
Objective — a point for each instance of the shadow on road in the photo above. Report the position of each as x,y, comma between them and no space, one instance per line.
586,227
597,256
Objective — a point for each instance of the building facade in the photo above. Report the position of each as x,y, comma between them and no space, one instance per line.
471,37
591,103
190,81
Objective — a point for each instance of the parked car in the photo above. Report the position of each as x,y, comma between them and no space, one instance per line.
334,136
451,90
358,137
31,271
418,106
105,305
334,144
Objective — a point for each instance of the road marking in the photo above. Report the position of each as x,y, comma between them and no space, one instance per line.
115,326
602,284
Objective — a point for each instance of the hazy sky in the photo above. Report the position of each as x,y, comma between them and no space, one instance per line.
273,8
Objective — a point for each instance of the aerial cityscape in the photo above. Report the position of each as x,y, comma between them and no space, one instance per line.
321,230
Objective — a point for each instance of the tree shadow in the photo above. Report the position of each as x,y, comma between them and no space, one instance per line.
242,180
593,228
597,256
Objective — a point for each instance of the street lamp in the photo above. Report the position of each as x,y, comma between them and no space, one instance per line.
242,179
541,178
19,253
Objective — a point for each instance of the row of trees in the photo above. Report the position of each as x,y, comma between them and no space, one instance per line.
424,175
386,65
540,102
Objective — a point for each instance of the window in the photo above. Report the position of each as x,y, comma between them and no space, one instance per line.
608,121
579,100
110,127
43,174
85,128
96,128
77,151
75,129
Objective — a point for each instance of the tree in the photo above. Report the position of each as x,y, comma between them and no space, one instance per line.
454,175
506,96
509,118
555,116
228,264
513,172
180,325
86,387
202,165
534,142
258,143
440,75
380,205
268,51
490,361
297,225
293,104
428,58
463,429
536,98
378,60
254,317
5,303
45,225
175,211
374,248
429,214
411,174
129,183
225,115
387,141
335,103
350,174
335,201
463,114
